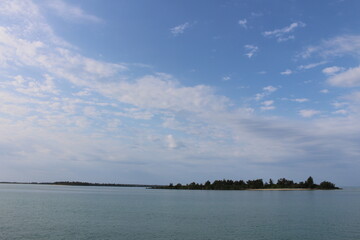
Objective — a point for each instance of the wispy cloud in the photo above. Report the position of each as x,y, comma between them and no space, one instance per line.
270,89
300,100
349,78
307,113
243,23
283,34
180,29
34,87
266,92
267,105
337,46
256,14
332,70
172,143
287,72
311,65
324,91
71,12
340,111
251,50
226,78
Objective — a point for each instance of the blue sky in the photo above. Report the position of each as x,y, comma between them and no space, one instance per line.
179,91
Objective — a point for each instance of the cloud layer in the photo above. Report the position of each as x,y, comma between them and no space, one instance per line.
65,114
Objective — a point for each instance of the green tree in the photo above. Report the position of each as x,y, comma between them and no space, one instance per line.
327,185
255,184
284,183
271,182
207,185
309,183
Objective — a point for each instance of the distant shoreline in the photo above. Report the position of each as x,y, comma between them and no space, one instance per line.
163,187
228,185
85,184
254,189
282,184
285,189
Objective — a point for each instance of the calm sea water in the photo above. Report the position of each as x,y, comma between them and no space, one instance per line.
71,212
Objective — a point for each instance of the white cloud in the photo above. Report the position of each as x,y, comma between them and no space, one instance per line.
300,100
337,46
24,19
340,111
71,12
332,70
170,140
351,104
163,92
91,111
226,78
59,61
266,91
270,89
324,91
307,113
353,97
349,78
286,72
259,96
136,113
342,104
251,50
85,92
311,65
34,87
180,29
19,9
30,41
265,108
243,23
87,127
283,34
267,105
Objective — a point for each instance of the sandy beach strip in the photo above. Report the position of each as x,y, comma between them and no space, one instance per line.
281,189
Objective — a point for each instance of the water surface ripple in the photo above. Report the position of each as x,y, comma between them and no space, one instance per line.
73,212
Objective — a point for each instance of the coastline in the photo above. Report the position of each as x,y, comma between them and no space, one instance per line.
284,189
254,189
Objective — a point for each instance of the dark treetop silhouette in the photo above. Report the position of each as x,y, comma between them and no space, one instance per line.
282,183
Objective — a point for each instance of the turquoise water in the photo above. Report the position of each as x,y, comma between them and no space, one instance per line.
71,212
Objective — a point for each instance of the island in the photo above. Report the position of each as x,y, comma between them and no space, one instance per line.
258,184
79,183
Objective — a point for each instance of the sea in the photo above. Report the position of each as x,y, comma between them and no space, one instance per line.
75,212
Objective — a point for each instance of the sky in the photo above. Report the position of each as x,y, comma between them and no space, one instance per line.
164,92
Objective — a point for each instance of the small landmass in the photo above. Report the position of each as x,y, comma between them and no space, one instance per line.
77,183
258,184
101,184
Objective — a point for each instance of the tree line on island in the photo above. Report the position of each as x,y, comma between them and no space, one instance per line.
77,183
282,183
